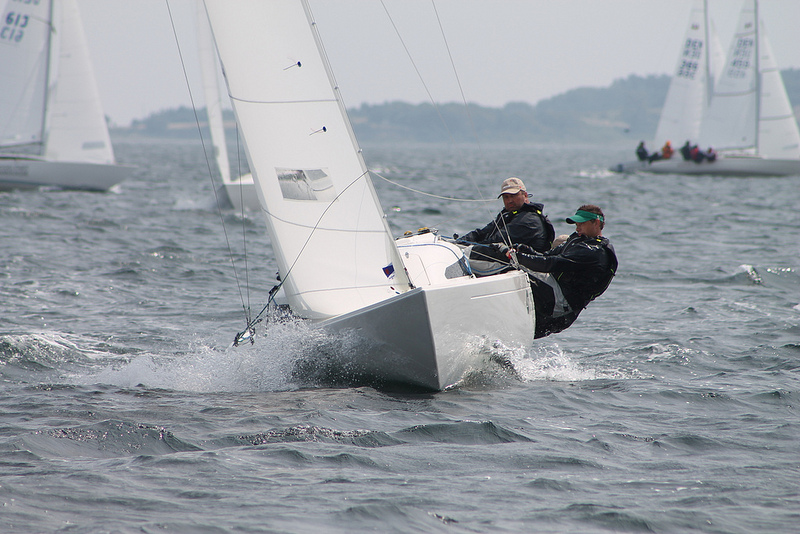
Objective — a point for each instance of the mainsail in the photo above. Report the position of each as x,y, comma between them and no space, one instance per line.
76,129
25,35
208,68
750,112
333,247
692,82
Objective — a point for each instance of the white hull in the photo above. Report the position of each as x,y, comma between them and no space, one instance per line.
19,172
430,337
723,166
241,194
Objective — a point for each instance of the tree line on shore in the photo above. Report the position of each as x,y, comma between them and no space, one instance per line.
625,111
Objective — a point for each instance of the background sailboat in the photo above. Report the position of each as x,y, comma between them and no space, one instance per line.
239,192
692,84
410,309
52,128
743,112
750,120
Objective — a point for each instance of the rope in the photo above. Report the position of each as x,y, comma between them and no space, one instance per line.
249,331
423,193
244,228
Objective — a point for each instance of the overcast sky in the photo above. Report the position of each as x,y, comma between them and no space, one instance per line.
503,50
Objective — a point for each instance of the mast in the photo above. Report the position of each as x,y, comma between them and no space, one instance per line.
757,58
397,260
706,39
51,43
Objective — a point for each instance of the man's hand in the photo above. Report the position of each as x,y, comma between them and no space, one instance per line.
525,249
502,249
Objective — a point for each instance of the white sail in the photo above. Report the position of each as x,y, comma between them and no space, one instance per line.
331,241
778,135
25,52
748,119
52,128
750,111
688,93
77,129
730,123
208,68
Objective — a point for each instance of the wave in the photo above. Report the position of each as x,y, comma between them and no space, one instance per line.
106,439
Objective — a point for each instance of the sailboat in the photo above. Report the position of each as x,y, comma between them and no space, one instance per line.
52,128
412,313
746,117
240,192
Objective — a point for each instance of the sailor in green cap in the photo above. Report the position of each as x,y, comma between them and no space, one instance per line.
571,275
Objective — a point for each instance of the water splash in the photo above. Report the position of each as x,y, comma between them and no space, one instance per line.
551,362
265,365
752,273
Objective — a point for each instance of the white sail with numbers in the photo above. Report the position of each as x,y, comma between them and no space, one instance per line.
690,89
750,111
25,51
52,128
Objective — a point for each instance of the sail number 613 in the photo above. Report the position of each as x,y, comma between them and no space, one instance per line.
14,29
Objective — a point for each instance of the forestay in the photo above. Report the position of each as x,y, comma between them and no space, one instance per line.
331,241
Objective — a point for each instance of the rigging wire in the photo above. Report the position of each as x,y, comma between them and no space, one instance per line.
248,332
244,228
436,105
208,162
458,79
423,193
466,108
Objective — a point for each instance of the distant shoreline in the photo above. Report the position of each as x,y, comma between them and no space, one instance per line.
625,112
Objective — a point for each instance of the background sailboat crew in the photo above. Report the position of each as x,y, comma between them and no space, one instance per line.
641,151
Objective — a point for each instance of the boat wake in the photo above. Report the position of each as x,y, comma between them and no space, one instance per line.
549,362
289,355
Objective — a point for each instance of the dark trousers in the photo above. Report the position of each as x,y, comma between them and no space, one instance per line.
544,301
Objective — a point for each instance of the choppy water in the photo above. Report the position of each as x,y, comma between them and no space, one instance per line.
670,406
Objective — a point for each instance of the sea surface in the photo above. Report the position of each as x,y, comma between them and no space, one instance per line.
671,405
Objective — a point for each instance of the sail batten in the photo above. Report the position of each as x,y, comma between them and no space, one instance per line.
244,100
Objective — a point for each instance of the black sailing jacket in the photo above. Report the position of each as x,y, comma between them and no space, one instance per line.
583,266
527,225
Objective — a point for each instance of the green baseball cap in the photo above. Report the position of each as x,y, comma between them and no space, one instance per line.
583,216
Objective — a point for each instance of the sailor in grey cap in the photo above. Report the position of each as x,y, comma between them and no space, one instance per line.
519,222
